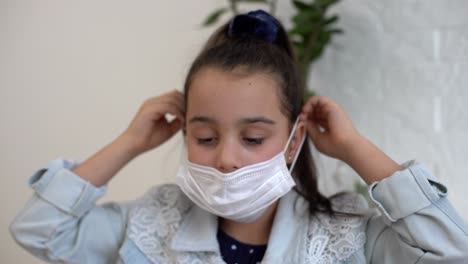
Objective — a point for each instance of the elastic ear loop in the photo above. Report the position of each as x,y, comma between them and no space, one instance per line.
300,144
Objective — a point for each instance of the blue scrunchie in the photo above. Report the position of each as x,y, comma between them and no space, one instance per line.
258,24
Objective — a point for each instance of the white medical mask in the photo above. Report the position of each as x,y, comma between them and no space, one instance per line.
244,194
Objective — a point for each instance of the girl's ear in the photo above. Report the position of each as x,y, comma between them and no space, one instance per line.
295,142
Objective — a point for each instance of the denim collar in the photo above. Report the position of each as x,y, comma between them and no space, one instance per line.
198,230
287,220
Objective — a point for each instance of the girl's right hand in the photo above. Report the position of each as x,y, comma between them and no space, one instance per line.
149,128
330,128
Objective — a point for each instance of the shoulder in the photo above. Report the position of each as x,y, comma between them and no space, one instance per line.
164,198
349,203
338,237
154,220
159,211
166,195
351,213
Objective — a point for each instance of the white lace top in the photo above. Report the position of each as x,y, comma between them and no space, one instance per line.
158,217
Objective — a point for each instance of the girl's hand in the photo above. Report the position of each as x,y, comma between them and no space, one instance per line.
149,128
333,134
329,127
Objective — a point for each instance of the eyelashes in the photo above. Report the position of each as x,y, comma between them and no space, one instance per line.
210,141
255,141
205,141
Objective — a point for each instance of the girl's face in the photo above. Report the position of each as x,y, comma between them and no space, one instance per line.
234,119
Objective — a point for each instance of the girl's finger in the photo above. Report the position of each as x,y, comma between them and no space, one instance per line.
175,102
309,105
172,94
166,108
313,131
174,97
175,126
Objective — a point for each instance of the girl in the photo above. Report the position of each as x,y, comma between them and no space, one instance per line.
240,196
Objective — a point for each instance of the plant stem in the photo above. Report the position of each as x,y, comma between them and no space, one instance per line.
233,6
305,61
273,7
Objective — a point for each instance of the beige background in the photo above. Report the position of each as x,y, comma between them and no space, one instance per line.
73,74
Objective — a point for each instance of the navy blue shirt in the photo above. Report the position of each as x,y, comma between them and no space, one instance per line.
235,252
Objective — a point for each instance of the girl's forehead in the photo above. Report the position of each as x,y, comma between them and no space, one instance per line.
229,94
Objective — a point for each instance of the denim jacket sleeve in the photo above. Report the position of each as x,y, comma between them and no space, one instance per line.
417,223
62,223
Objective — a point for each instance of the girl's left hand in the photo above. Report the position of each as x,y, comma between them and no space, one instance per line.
329,127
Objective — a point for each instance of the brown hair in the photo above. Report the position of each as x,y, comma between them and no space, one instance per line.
276,58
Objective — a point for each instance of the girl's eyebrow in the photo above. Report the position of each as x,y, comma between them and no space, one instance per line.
242,121
202,119
257,119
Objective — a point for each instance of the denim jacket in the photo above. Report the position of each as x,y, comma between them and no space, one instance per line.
414,223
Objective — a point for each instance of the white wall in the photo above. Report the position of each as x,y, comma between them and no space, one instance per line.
400,70
73,74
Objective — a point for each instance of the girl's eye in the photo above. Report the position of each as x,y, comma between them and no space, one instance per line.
254,141
206,141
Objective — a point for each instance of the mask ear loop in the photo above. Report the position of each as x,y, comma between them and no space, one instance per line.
300,144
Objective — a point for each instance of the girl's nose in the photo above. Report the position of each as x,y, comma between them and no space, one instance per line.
227,159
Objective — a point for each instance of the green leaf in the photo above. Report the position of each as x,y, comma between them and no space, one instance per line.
301,5
214,16
307,17
301,30
253,1
327,3
331,20
299,48
316,53
335,31
324,37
